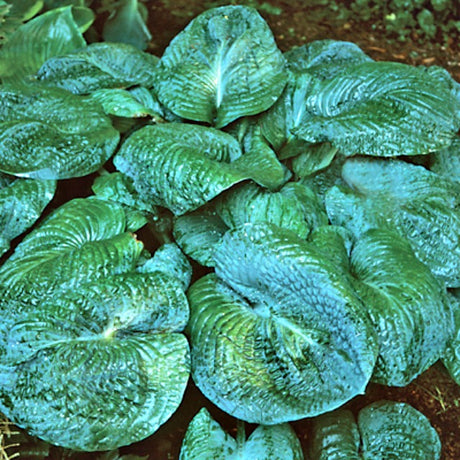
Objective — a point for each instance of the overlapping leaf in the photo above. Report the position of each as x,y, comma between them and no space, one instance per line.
21,204
410,312
294,207
99,66
49,133
53,33
385,430
446,162
224,65
280,333
182,166
420,205
88,337
382,109
206,440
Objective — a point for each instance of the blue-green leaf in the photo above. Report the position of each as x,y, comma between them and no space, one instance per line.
126,24
206,440
446,162
53,33
385,430
99,66
49,133
180,166
410,312
223,66
451,357
382,109
279,334
418,204
21,204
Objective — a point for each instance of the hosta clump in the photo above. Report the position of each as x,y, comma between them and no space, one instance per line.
244,157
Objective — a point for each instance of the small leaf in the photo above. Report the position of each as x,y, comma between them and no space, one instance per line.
205,439
53,33
451,357
99,66
127,25
224,65
385,430
120,103
49,133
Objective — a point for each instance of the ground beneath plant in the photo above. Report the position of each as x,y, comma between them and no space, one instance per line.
434,393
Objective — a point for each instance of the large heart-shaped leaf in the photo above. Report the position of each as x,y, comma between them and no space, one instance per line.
383,109
205,439
99,66
385,430
49,133
411,315
224,65
21,204
98,367
53,33
280,333
420,205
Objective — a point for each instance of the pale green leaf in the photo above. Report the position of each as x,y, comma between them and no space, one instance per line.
224,65
49,133
120,103
446,162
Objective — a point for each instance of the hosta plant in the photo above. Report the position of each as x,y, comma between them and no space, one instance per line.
265,223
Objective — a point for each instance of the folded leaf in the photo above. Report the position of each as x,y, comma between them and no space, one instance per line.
382,109
205,439
53,33
281,334
49,133
224,65
21,204
99,66
418,204
385,430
